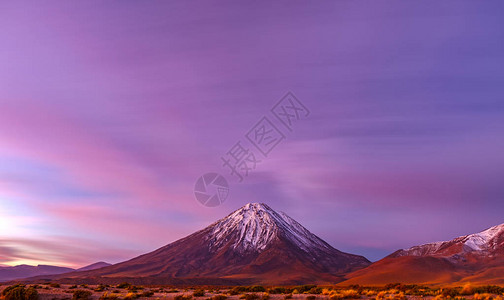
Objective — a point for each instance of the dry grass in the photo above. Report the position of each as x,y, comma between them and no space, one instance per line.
130,292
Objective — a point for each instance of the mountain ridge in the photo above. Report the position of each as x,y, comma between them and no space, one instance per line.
8,273
477,257
483,243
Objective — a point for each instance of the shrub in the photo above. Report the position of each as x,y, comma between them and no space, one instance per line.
16,293
249,296
326,291
198,293
107,296
350,294
449,292
234,291
9,288
54,285
288,296
172,291
72,287
81,295
31,294
147,294
392,291
484,296
238,290
381,295
305,288
100,288
315,290
183,297
265,296
277,290
131,296
400,296
392,286
257,289
467,290
219,297
311,297
489,289
123,285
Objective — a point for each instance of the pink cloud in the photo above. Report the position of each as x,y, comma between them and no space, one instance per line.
37,132
60,251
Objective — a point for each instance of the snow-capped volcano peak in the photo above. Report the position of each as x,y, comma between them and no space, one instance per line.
255,226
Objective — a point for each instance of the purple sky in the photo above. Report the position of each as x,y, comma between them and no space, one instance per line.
110,111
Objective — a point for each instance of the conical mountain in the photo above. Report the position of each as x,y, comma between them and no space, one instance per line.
254,244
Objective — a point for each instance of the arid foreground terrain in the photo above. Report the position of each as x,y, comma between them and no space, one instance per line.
126,291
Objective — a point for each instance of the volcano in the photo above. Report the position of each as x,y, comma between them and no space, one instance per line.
254,244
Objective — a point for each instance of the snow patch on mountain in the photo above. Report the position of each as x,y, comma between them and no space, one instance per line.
483,240
421,250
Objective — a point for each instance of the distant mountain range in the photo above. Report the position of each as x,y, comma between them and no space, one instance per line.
257,245
23,271
475,258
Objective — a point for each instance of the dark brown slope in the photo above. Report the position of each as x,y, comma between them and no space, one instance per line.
254,244
476,258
